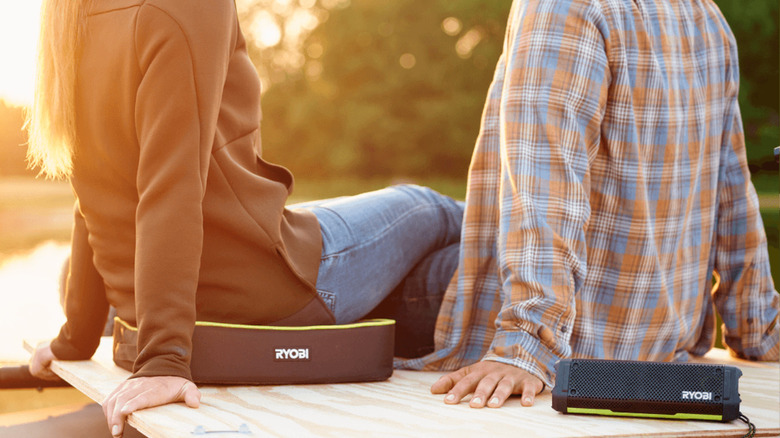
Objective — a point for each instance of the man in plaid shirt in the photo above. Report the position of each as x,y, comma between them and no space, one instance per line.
608,190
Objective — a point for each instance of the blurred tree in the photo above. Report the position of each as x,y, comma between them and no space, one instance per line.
756,29
387,89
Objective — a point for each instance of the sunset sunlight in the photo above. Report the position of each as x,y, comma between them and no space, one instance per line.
232,199
18,37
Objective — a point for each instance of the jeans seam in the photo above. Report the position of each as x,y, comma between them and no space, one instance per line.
375,237
341,219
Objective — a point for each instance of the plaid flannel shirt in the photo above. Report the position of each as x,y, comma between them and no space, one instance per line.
608,183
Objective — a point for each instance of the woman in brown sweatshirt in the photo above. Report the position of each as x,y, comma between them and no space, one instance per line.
151,109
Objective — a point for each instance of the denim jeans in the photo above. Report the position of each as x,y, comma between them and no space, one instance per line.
414,304
370,242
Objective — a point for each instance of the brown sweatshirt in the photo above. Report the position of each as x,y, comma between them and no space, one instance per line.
177,216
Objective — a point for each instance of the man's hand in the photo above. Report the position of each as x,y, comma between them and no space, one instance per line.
146,392
41,361
490,382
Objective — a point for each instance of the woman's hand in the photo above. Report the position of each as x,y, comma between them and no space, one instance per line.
41,361
490,382
146,392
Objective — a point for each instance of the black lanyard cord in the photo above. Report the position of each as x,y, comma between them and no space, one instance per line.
751,427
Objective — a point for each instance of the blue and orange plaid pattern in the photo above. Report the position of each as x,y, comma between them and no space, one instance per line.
608,184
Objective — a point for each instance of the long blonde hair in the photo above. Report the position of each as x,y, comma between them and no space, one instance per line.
51,121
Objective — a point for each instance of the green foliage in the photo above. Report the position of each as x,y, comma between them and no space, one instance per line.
771,218
756,30
385,92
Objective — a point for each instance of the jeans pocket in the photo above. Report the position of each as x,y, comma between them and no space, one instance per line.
329,298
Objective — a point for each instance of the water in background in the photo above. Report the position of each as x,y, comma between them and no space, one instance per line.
29,299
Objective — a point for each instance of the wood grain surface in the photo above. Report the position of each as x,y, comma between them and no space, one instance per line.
404,407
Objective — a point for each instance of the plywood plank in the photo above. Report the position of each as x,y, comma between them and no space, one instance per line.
404,407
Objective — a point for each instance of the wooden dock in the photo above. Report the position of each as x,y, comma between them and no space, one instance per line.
404,407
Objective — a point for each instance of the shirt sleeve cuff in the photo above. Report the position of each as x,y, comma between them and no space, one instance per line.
761,346
525,351
63,349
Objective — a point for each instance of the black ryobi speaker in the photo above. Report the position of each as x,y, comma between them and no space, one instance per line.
681,391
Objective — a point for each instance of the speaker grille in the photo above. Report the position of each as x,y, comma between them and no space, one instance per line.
637,382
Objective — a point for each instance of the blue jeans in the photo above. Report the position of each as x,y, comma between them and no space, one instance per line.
370,242
414,304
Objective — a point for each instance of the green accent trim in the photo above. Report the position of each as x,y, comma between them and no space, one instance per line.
677,416
359,324
125,324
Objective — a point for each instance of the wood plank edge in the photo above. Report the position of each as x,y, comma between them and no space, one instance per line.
29,346
132,420
59,371
141,426
63,373
75,382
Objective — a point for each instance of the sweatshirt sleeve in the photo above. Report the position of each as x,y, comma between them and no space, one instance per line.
85,302
183,56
